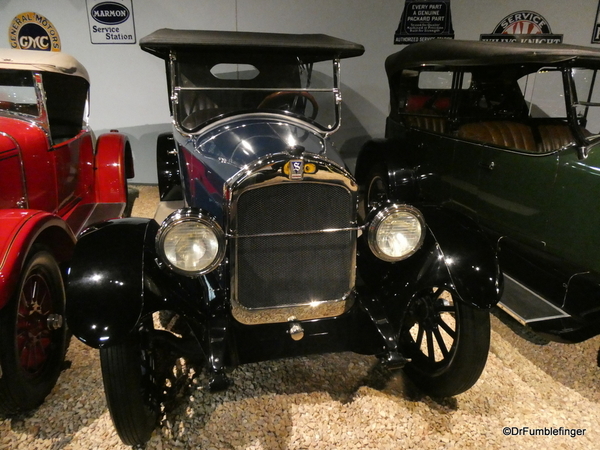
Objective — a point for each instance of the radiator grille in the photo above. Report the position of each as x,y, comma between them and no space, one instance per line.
275,271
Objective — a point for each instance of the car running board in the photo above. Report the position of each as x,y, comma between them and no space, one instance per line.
526,306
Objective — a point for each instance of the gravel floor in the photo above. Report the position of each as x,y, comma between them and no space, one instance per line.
341,401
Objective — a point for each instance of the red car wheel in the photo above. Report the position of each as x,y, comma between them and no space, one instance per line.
33,328
33,337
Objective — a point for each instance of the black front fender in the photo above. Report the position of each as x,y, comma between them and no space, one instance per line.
455,255
384,153
462,249
105,293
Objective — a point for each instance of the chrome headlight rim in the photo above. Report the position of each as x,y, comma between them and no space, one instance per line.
380,216
183,216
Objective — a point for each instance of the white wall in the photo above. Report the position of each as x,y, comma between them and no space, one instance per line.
128,85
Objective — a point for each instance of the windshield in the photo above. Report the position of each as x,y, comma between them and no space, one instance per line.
208,87
587,103
544,92
17,92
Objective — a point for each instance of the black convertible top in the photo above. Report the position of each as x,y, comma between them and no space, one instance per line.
310,47
448,52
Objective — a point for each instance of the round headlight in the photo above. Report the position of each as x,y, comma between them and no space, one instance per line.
396,232
190,243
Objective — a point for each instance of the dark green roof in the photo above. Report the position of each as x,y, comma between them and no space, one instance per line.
449,52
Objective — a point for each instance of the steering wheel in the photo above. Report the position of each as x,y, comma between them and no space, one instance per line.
291,101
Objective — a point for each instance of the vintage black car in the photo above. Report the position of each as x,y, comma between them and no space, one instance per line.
253,252
507,134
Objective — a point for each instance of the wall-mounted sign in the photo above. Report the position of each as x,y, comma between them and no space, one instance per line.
32,31
596,34
523,26
111,22
423,20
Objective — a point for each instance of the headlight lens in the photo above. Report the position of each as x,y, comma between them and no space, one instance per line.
396,232
190,243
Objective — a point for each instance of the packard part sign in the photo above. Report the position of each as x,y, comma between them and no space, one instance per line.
32,31
523,26
111,22
423,20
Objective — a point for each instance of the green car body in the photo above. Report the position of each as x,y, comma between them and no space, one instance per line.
508,135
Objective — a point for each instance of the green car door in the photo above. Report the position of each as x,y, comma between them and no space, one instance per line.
574,215
505,190
513,193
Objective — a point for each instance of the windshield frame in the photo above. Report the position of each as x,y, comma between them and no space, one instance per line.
176,90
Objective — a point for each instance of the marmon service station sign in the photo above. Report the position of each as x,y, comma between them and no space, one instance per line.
111,22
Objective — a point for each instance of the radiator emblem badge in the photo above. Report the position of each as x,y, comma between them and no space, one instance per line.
296,169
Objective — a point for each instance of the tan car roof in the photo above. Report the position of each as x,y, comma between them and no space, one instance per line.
43,61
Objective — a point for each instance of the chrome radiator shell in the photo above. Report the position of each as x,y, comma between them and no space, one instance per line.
292,241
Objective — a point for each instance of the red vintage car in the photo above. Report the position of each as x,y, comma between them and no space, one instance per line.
56,178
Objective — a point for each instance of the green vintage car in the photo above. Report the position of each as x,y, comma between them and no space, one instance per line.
508,135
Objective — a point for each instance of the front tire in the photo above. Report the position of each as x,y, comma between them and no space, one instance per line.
447,342
33,336
131,389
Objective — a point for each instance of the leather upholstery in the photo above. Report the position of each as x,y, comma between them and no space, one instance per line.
437,124
503,133
554,136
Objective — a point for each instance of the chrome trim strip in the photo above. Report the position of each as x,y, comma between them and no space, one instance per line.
183,88
293,233
270,117
338,95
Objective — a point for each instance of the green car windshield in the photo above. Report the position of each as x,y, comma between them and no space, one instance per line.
587,101
544,91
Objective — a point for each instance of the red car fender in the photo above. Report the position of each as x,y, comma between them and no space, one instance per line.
19,230
114,164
